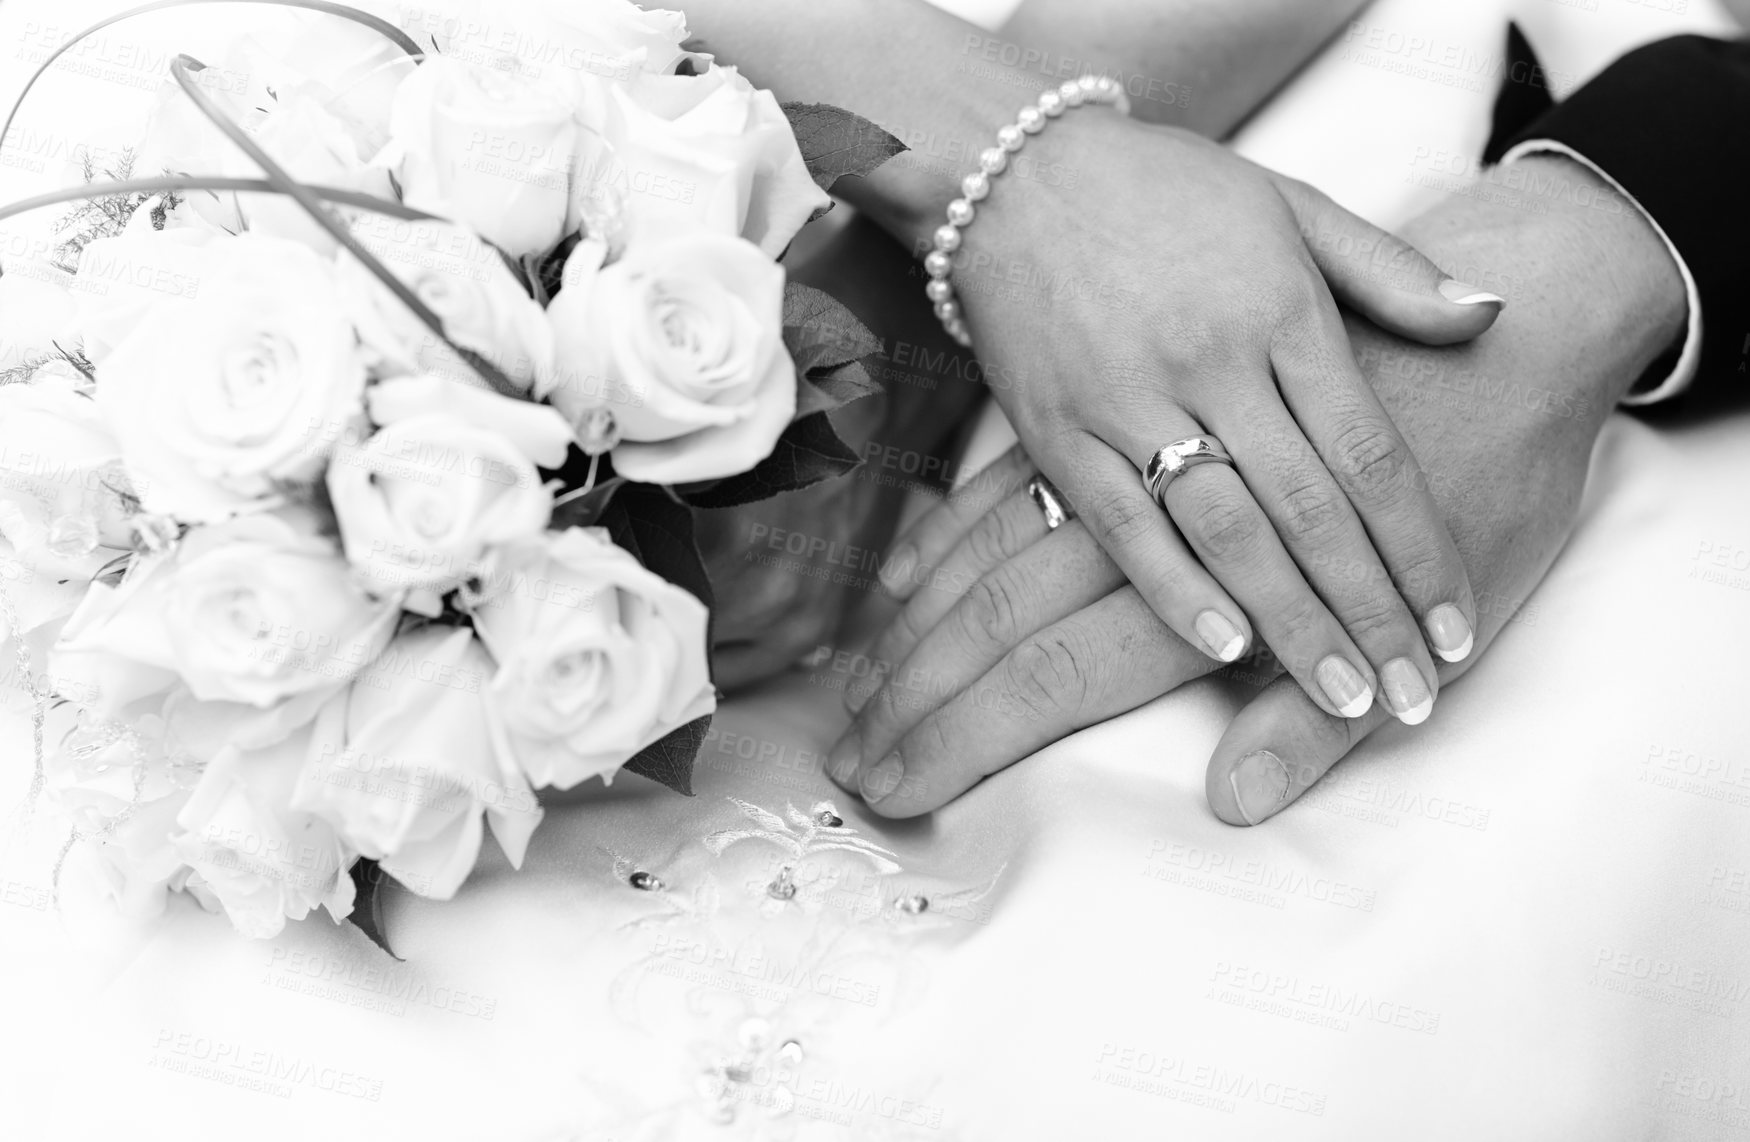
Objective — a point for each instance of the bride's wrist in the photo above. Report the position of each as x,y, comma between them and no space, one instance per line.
998,266
907,195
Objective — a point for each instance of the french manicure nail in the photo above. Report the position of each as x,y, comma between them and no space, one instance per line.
1462,293
842,762
1406,691
1344,686
883,778
1450,632
896,576
1260,785
1223,639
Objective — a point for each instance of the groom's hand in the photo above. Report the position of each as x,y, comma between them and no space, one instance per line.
1050,639
1505,426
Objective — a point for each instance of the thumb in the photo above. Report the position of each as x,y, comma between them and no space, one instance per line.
1384,278
1276,749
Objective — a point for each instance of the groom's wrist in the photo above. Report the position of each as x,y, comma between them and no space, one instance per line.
1574,256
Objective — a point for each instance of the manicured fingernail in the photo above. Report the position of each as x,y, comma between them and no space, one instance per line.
1406,691
1344,686
1450,632
882,778
841,763
1462,293
1223,639
896,576
1260,785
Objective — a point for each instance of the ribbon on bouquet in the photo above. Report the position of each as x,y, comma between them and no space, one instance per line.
278,181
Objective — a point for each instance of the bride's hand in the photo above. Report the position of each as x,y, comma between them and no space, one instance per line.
1049,640
1180,290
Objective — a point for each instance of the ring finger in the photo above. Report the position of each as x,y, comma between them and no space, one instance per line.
1000,534
1218,516
1322,533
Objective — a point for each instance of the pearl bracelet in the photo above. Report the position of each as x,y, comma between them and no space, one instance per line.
975,187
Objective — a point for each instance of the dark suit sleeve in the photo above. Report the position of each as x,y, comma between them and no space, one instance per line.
1670,122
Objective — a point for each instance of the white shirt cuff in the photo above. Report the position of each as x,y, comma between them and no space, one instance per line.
1684,372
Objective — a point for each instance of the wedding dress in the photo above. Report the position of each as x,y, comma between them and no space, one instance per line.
1525,920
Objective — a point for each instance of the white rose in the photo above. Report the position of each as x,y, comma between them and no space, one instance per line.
264,81
552,39
37,313
708,150
451,474
135,866
316,148
122,792
100,772
682,341
410,774
464,282
597,657
219,402
40,606
258,612
292,122
352,71
138,273
488,149
61,480
264,861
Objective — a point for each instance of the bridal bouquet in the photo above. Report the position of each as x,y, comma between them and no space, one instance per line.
353,428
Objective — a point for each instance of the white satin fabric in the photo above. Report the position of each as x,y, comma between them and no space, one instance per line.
1526,920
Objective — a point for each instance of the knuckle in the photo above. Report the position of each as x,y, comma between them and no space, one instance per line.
1426,574
907,630
1228,526
1120,520
1376,613
1298,623
898,702
929,752
1311,515
1049,675
886,707
988,612
993,539
1369,461
1287,303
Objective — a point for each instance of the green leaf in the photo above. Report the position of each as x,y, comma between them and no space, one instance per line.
826,340
821,333
586,510
809,451
836,143
658,530
669,761
367,905
835,390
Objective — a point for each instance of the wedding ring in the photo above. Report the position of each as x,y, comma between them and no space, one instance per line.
1164,466
1050,502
